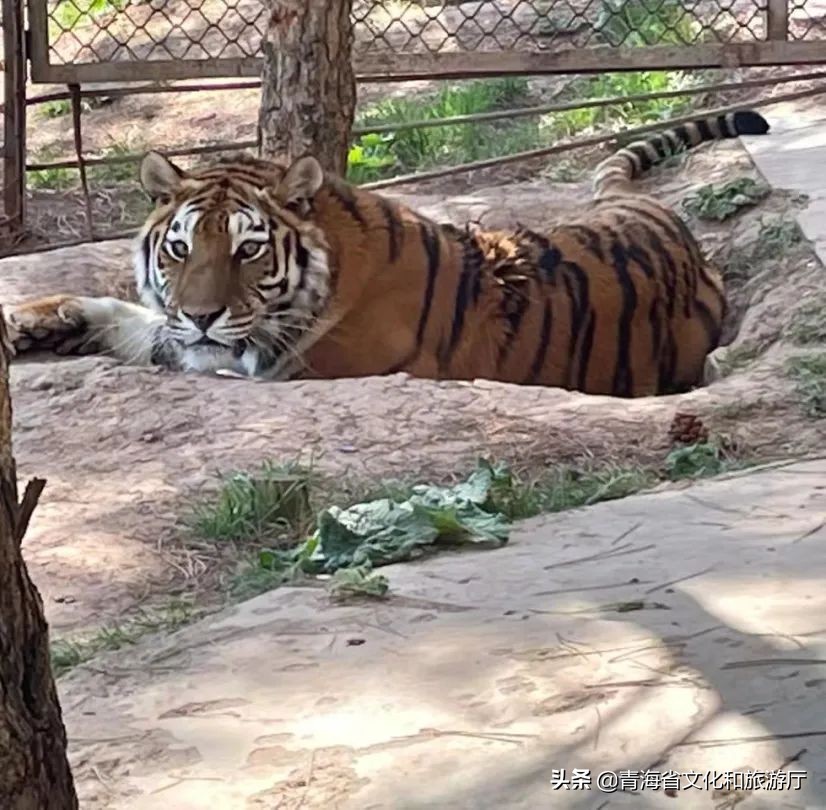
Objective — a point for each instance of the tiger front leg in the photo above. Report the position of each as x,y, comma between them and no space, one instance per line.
69,324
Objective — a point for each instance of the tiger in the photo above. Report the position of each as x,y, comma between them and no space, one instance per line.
284,271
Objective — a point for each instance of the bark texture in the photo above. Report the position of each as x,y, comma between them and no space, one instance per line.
34,771
308,85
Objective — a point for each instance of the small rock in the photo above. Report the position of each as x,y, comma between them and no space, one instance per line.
42,384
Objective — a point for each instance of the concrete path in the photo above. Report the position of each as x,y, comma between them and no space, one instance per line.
792,156
678,632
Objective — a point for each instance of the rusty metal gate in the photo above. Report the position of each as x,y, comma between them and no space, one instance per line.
83,44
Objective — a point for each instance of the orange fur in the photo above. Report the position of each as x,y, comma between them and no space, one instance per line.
619,300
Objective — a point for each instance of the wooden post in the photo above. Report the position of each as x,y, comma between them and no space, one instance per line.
14,152
308,94
34,771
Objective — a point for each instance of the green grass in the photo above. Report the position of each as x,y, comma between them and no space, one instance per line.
374,156
56,109
71,14
738,357
62,179
635,23
809,324
63,106
275,506
378,155
53,179
719,201
616,85
567,487
777,237
69,653
809,373
250,579
272,503
700,460
112,174
514,496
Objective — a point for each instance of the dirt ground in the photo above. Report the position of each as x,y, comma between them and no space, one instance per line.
126,450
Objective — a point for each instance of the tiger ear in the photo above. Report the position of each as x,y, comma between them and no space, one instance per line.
160,177
301,182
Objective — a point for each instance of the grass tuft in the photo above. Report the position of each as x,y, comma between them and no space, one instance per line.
69,653
567,488
809,373
777,237
719,201
375,155
272,504
113,174
360,581
809,325
56,109
738,357
697,461
51,179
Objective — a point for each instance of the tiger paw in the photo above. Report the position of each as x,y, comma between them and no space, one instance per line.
56,323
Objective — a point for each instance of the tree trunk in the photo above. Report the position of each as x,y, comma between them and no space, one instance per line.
34,771
308,94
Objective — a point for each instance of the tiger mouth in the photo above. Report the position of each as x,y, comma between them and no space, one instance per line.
237,348
208,341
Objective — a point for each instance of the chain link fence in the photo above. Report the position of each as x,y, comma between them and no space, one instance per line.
107,51
222,37
501,25
88,31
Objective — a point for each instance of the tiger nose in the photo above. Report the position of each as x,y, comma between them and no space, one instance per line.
203,320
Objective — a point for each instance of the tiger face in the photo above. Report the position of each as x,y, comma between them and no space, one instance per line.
228,257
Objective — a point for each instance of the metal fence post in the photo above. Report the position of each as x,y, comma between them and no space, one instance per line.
777,20
14,115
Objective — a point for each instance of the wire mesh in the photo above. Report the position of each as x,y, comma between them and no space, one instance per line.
84,31
807,20
85,37
504,25
94,31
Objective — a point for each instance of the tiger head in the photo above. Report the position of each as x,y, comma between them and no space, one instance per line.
230,258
